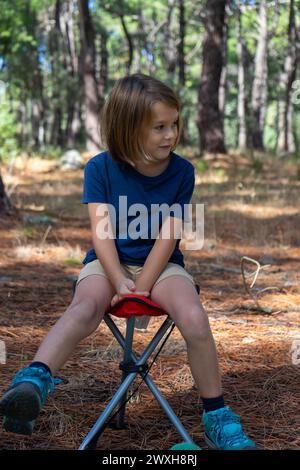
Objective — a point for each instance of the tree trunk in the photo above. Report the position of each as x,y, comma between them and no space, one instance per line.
56,131
130,45
103,75
151,42
142,46
23,138
223,79
209,116
291,140
286,141
170,48
242,128
73,107
181,57
6,207
37,103
56,54
91,98
259,90
181,69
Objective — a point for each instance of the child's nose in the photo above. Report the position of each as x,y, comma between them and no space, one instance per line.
171,133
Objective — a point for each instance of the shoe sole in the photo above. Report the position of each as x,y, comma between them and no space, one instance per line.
18,427
22,403
211,445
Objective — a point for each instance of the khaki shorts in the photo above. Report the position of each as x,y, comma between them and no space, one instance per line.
171,269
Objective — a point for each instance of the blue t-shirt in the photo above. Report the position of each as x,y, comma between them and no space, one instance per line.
106,180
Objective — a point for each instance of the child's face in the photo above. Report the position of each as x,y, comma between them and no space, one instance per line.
160,134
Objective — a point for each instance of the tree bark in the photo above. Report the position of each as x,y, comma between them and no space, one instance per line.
72,130
142,44
152,40
6,207
181,69
286,141
181,56
103,75
36,92
223,78
170,48
56,54
130,45
259,90
209,116
242,128
91,98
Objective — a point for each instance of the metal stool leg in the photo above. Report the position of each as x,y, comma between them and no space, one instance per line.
90,440
127,358
96,430
153,388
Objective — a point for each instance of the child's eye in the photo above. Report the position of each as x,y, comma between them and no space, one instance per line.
161,126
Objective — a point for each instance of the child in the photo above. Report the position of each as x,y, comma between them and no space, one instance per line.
141,126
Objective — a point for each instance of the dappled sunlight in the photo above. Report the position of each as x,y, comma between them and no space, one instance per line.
33,165
255,210
47,253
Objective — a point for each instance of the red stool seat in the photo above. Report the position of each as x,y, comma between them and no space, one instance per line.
138,305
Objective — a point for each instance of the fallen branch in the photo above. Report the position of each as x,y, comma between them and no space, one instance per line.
266,310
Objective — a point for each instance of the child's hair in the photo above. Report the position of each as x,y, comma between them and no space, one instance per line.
125,112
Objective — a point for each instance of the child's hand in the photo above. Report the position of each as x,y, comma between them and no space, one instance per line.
126,286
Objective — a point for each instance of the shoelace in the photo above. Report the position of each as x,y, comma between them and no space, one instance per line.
228,417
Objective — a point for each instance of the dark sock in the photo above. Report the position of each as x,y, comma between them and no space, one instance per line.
41,364
211,404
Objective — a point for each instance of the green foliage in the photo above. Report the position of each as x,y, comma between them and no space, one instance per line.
49,152
8,128
27,30
73,262
30,231
202,166
257,165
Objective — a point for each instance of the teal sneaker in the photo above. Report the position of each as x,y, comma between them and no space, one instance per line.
185,446
23,400
223,431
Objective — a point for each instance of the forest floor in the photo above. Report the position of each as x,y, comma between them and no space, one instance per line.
250,210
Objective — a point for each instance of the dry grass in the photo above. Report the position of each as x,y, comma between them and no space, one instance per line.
247,214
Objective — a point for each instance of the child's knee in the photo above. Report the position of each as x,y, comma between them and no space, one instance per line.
87,310
195,325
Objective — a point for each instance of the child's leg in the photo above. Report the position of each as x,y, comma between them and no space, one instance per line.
92,297
23,400
222,427
179,298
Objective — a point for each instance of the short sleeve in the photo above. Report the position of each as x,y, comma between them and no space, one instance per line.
93,184
185,192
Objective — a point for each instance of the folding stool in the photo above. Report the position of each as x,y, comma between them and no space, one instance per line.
131,307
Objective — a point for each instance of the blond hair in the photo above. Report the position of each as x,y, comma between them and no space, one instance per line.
127,110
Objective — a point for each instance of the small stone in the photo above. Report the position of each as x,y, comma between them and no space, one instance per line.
71,160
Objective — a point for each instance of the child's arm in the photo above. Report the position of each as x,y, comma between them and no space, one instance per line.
105,249
159,256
